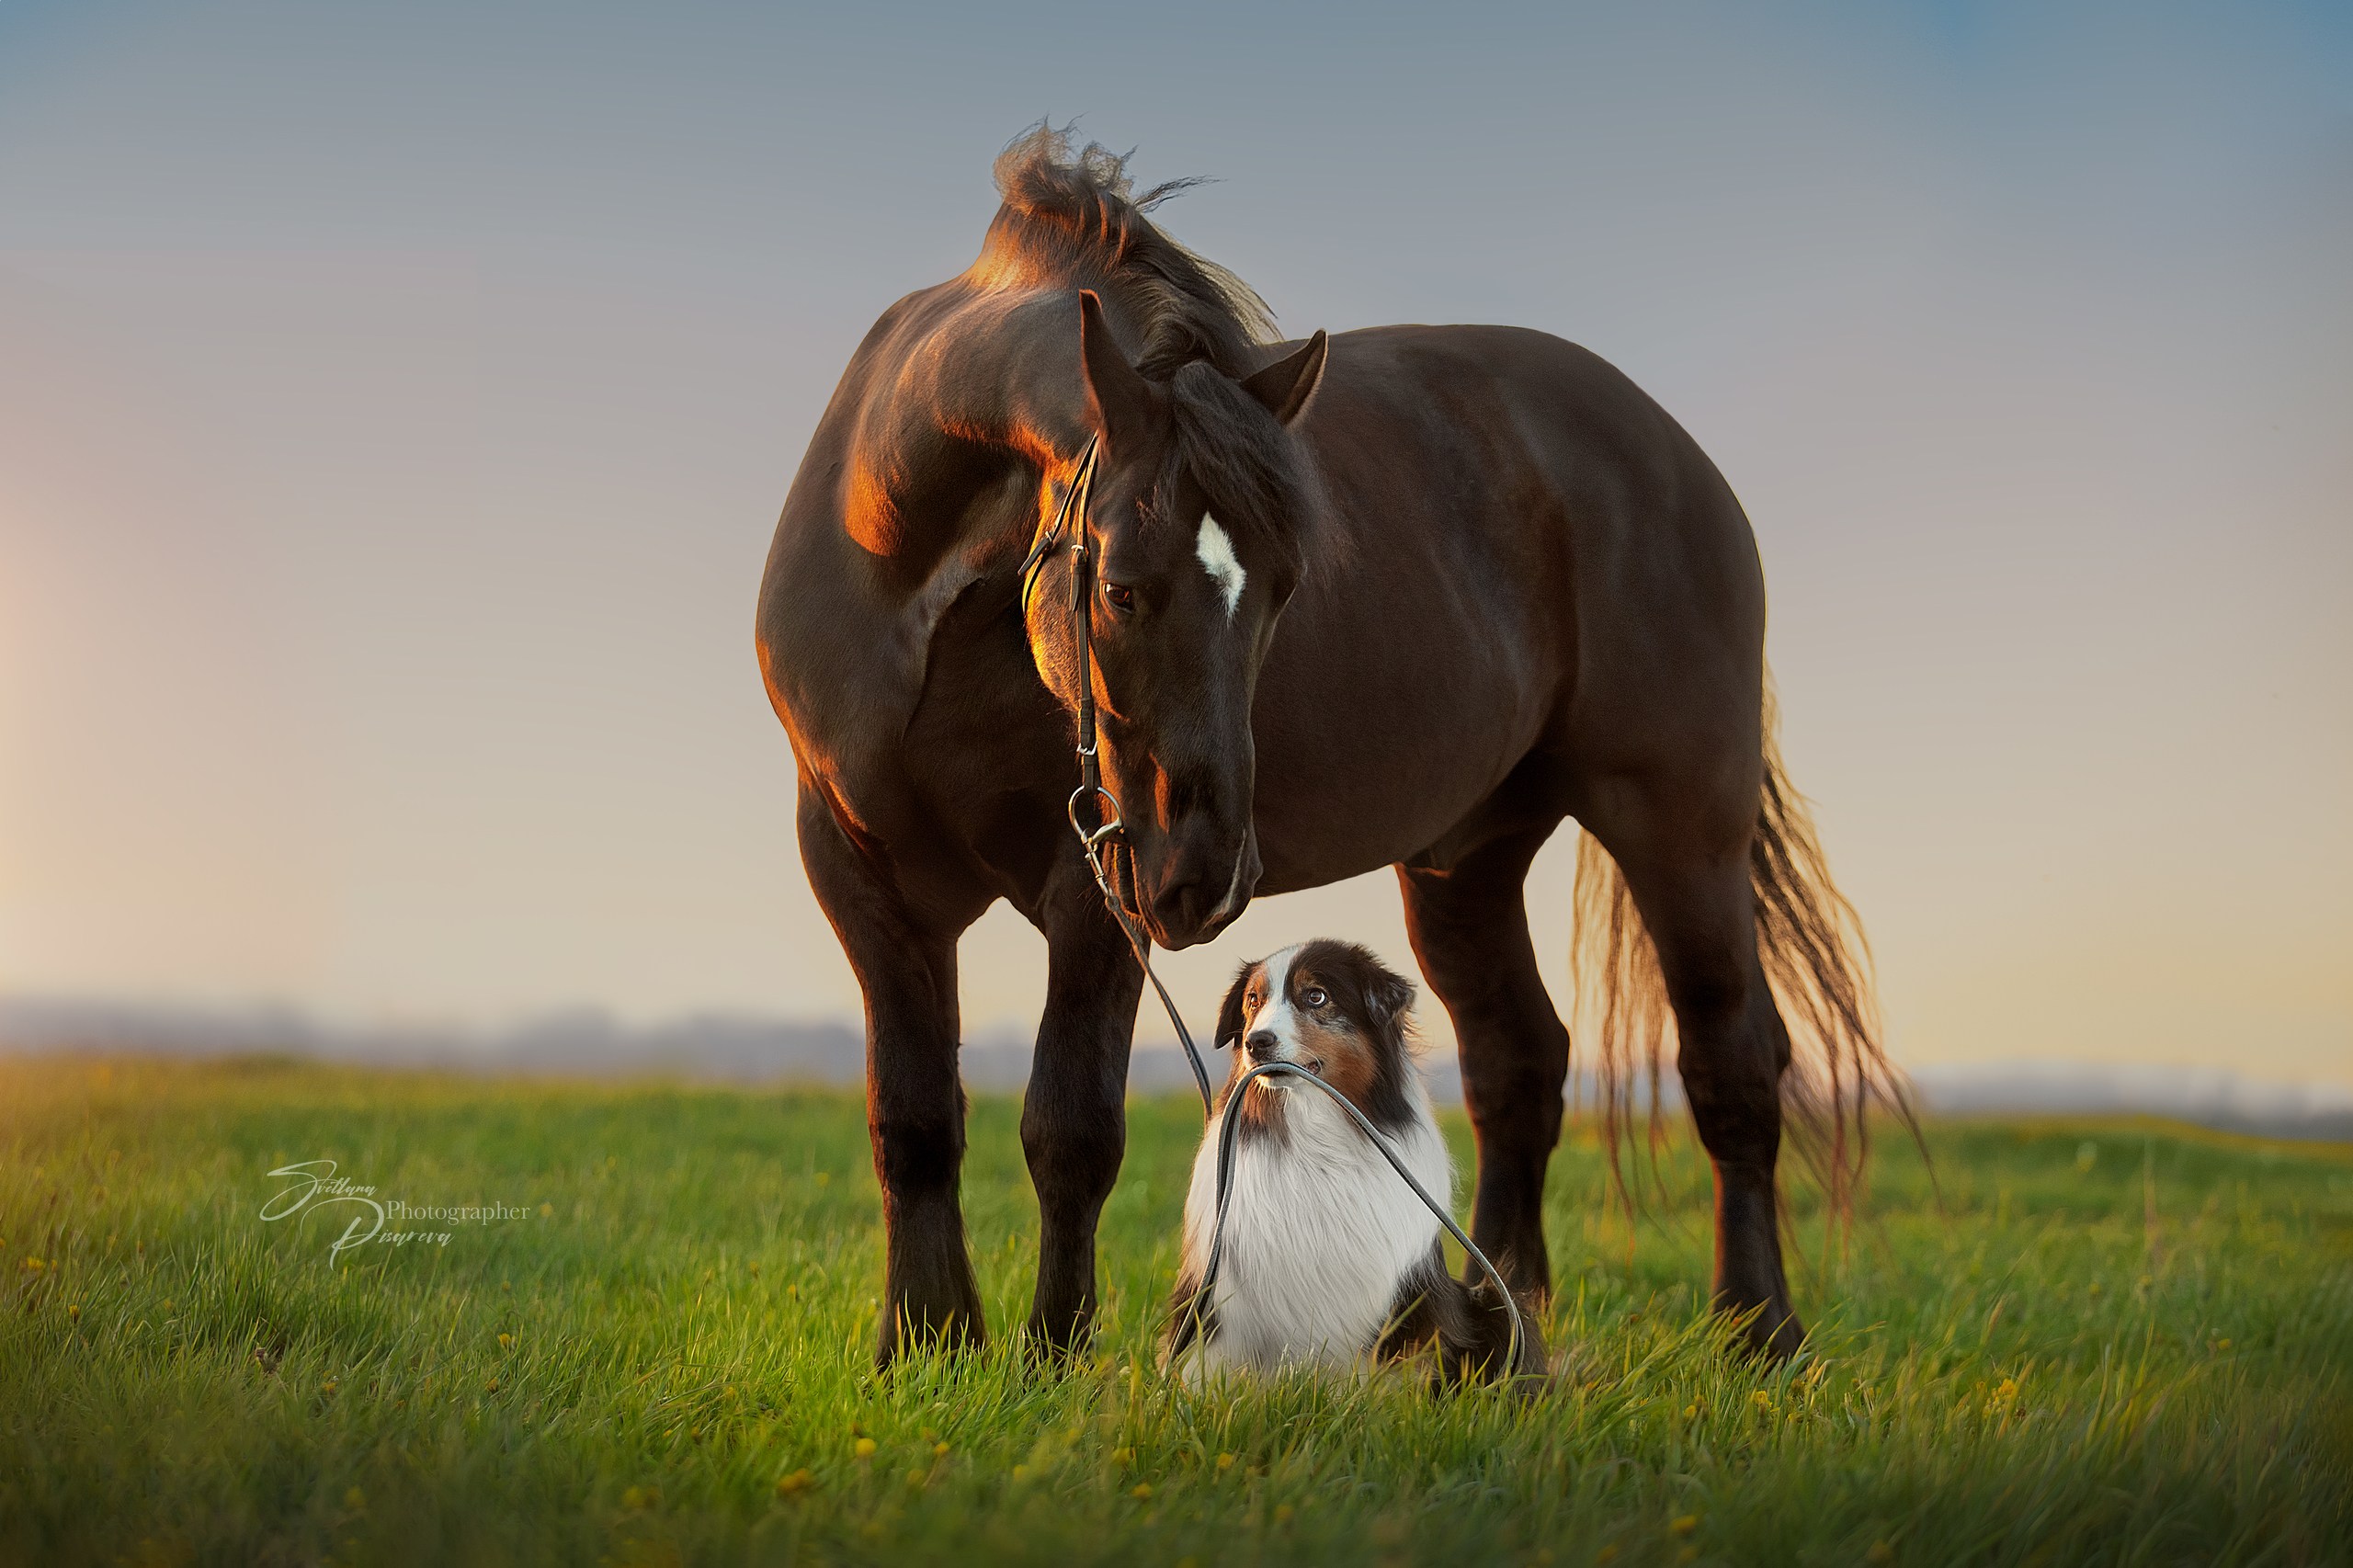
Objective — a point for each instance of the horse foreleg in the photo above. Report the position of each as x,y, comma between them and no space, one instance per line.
1469,927
915,1099
1073,1115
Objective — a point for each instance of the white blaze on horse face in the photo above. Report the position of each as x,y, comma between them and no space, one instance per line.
1215,549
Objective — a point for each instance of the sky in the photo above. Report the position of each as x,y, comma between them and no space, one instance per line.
396,404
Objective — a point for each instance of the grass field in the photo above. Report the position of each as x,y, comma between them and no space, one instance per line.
2108,1343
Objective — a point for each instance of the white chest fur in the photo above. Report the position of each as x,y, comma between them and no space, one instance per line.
1319,1233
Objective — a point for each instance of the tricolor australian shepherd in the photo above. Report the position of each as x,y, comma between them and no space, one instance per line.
1329,1259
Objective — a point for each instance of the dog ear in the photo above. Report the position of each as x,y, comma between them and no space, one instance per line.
1229,1015
1387,997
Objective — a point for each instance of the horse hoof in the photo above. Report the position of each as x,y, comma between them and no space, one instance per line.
1055,1352
903,1335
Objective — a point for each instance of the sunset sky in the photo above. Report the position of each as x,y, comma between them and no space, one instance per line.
396,401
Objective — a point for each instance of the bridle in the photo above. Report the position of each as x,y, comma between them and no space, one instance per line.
1102,843
1107,839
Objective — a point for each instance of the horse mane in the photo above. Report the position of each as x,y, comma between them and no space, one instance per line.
1072,216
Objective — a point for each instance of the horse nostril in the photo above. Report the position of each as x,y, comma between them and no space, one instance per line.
1179,907
1198,894
1261,1044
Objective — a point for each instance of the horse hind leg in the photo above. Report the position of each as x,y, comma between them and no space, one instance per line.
1469,927
1689,876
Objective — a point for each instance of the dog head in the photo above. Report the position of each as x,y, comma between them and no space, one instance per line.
1333,1008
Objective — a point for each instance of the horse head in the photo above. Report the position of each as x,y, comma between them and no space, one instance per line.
1198,516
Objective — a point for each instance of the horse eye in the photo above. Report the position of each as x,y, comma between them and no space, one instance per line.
1314,997
1121,597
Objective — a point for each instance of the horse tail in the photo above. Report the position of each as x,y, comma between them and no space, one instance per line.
1818,962
1811,945
1622,1011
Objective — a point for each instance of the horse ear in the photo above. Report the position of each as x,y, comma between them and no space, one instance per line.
1229,1016
1285,386
1120,400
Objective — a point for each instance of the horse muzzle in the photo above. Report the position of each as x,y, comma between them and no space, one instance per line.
1200,894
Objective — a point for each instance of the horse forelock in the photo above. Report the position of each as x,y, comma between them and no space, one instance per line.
1071,217
1258,479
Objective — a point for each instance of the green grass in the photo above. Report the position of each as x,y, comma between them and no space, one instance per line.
2110,1343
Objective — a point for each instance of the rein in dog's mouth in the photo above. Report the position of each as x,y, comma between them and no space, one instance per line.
1314,1067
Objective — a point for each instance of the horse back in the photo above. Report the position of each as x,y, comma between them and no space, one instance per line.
1530,572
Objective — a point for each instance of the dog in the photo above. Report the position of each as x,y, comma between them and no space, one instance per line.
1329,1260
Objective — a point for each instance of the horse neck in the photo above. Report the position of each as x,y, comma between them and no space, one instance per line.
988,395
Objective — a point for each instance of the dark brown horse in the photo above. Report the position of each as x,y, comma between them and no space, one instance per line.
1412,598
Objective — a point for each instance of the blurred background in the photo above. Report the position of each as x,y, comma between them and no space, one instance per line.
396,404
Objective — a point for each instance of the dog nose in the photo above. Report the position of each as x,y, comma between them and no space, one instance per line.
1261,1045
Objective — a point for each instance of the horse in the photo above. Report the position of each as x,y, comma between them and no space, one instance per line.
1408,596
